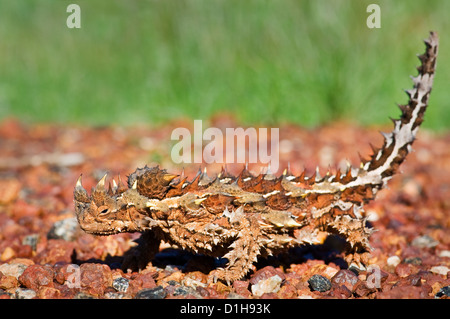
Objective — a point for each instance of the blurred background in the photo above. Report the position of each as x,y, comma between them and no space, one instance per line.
266,62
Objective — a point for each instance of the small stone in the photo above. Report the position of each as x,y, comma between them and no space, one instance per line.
203,292
414,280
171,287
195,279
24,251
95,278
241,288
22,293
151,293
323,270
393,261
329,272
265,273
36,276
404,270
31,240
287,291
355,269
221,289
345,277
83,295
14,269
7,254
121,284
269,285
56,250
341,292
8,282
67,274
9,190
116,295
176,276
319,283
24,261
64,229
440,270
141,281
444,291
417,261
48,293
405,292
444,253
185,291
361,289
5,294
424,241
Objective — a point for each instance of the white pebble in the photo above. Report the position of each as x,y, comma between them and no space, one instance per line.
440,270
13,269
393,261
22,293
268,285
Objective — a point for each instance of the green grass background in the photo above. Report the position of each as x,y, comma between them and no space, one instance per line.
307,62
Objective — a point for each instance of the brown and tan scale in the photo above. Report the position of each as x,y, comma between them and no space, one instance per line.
243,217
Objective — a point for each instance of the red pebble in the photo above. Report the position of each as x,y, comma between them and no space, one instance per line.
404,270
142,281
57,250
48,293
241,288
265,273
95,278
36,276
346,278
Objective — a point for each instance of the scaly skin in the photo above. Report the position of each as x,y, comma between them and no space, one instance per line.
243,217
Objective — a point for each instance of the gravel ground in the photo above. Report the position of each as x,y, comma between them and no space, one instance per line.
44,254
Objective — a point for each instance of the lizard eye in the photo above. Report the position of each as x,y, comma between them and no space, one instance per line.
102,210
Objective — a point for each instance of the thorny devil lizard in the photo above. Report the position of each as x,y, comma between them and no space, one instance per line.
243,217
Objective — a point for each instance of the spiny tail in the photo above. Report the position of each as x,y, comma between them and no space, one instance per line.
397,144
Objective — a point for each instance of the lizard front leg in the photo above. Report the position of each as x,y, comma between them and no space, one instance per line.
137,258
243,252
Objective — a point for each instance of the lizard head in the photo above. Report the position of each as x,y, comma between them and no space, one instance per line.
112,211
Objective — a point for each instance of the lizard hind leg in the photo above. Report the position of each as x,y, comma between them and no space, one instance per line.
356,234
243,251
